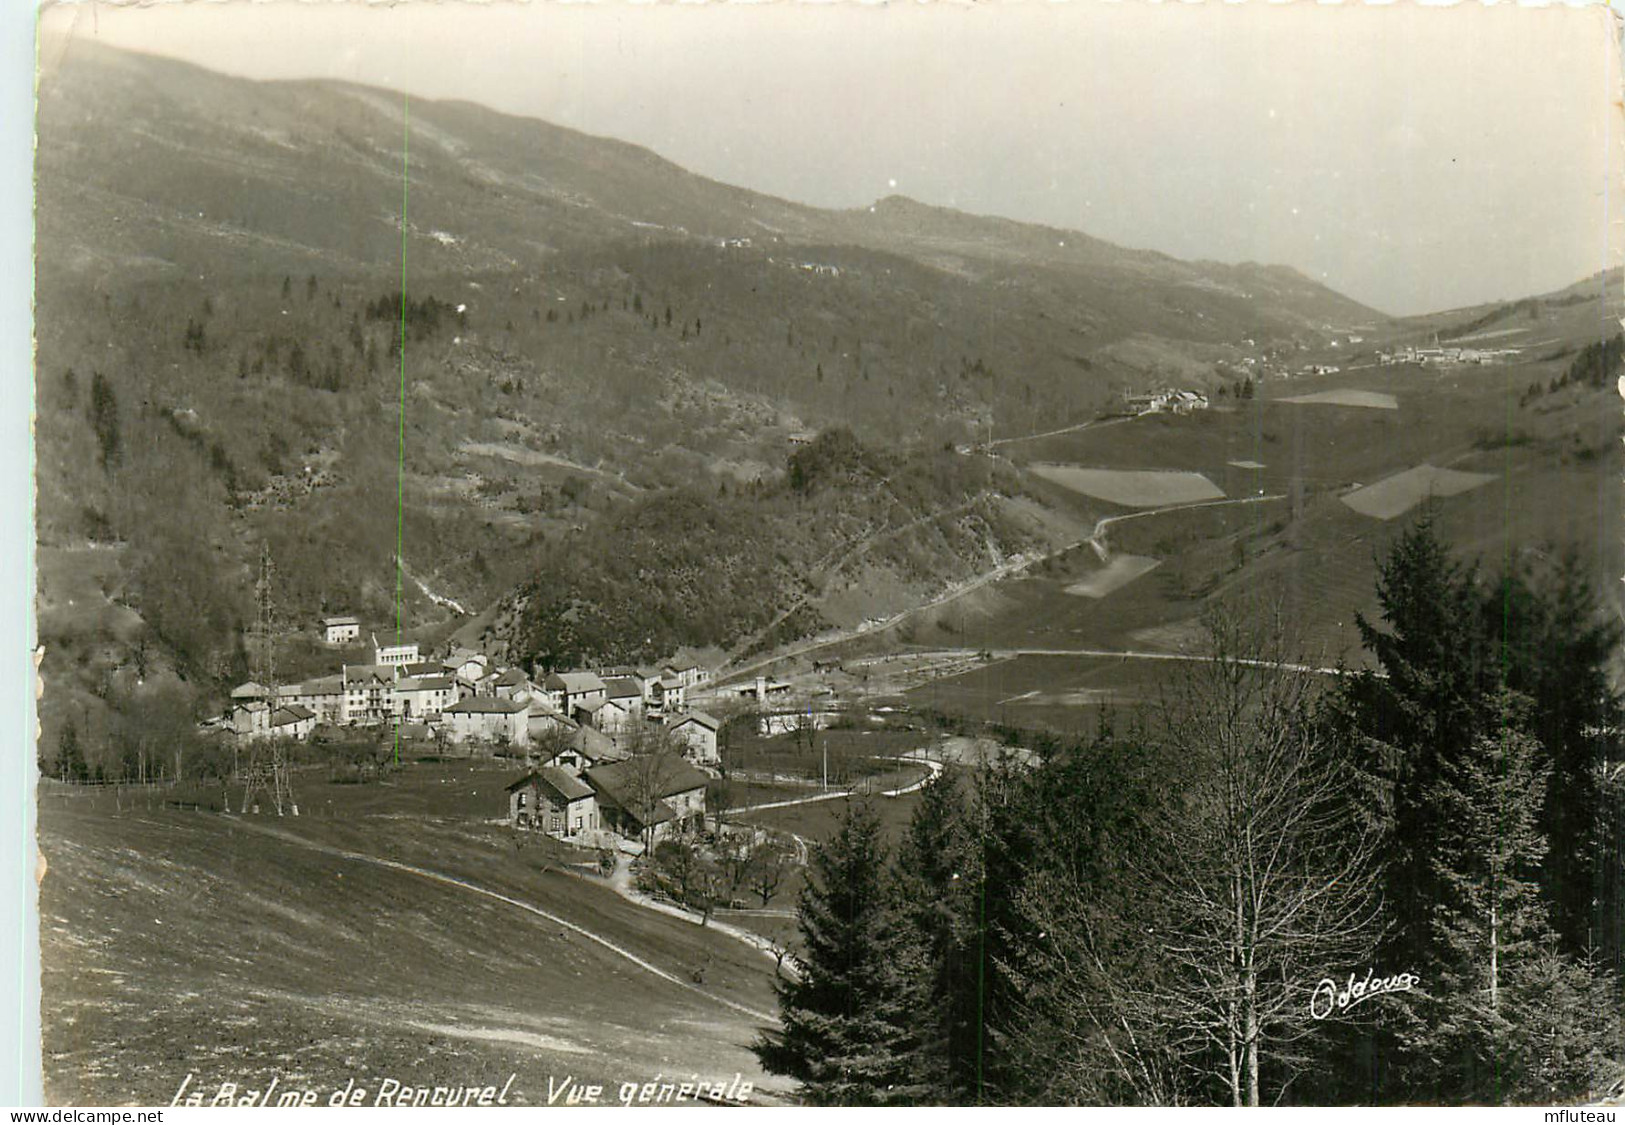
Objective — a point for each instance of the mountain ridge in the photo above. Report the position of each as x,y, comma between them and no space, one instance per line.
610,158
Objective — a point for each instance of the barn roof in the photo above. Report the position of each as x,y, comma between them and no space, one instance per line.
666,775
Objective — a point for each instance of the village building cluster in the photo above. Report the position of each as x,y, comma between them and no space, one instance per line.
1167,401
465,696
579,730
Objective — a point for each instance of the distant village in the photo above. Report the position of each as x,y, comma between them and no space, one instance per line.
1441,356
579,731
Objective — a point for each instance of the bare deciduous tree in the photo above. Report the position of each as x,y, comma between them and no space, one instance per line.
646,781
1264,861
769,865
1250,878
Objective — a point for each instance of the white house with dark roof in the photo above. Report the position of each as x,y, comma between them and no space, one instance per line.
294,722
698,732
583,749
587,711
323,696
626,691
369,693
511,683
341,630
567,689
423,698
467,665
687,671
487,718
667,695
553,801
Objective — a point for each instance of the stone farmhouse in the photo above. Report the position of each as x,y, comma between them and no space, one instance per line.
666,696
553,801
466,665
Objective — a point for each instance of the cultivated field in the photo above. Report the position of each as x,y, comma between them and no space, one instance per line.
1132,488
1398,494
1117,573
1371,400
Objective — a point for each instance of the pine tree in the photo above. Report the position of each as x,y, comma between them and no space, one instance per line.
1508,1016
1488,921
1565,1028
845,1018
1424,713
1553,644
936,877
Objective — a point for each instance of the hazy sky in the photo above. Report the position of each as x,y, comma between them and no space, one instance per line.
1414,158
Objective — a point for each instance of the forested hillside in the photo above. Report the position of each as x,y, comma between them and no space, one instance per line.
590,338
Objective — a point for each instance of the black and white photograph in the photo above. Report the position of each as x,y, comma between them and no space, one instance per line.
829,554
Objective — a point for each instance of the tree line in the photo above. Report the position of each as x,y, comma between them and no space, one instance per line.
1191,906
